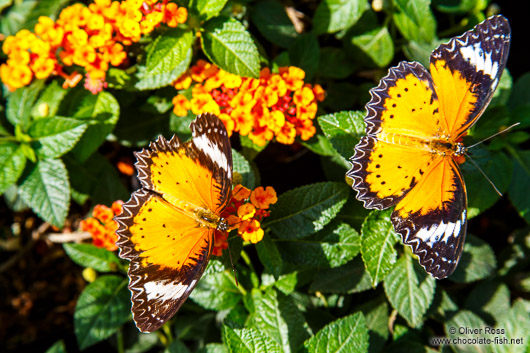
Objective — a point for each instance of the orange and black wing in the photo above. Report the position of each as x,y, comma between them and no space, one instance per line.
168,251
389,161
159,230
432,217
466,71
392,167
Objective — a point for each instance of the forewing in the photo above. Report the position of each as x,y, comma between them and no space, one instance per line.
466,71
211,143
168,252
432,218
198,172
391,159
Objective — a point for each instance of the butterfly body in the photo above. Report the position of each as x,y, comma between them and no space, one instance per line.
414,125
167,227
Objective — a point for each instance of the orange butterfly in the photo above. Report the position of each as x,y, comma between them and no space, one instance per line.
167,227
409,156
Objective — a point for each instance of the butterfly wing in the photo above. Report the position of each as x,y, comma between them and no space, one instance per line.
168,253
159,229
466,71
432,217
384,170
393,167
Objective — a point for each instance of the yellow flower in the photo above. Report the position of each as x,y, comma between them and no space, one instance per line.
246,211
181,105
251,231
43,67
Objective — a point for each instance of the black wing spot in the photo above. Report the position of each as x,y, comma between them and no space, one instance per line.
399,95
391,116
399,167
378,166
413,110
378,176
394,105
406,89
380,156
383,182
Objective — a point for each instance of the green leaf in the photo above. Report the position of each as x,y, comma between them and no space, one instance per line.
248,341
520,95
49,101
490,299
101,309
243,167
57,347
349,278
216,291
102,111
515,328
377,245
336,15
334,63
228,45
88,255
460,329
374,46
56,135
272,22
415,20
348,334
305,54
168,57
477,262
343,129
270,256
307,209
96,177
277,316
12,163
213,348
20,104
333,246
519,184
47,191
25,14
420,51
376,314
410,290
498,167
177,347
455,6
207,8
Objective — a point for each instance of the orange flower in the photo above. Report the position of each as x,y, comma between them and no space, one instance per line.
173,15
181,105
43,67
102,213
240,193
183,82
125,166
102,225
246,211
220,243
263,198
275,105
117,207
251,231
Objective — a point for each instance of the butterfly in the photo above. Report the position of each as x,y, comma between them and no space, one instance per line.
414,124
167,227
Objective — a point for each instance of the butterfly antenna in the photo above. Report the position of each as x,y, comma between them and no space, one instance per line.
232,263
492,136
484,174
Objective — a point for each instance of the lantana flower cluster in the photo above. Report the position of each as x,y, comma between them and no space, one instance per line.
277,105
92,37
102,225
245,213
